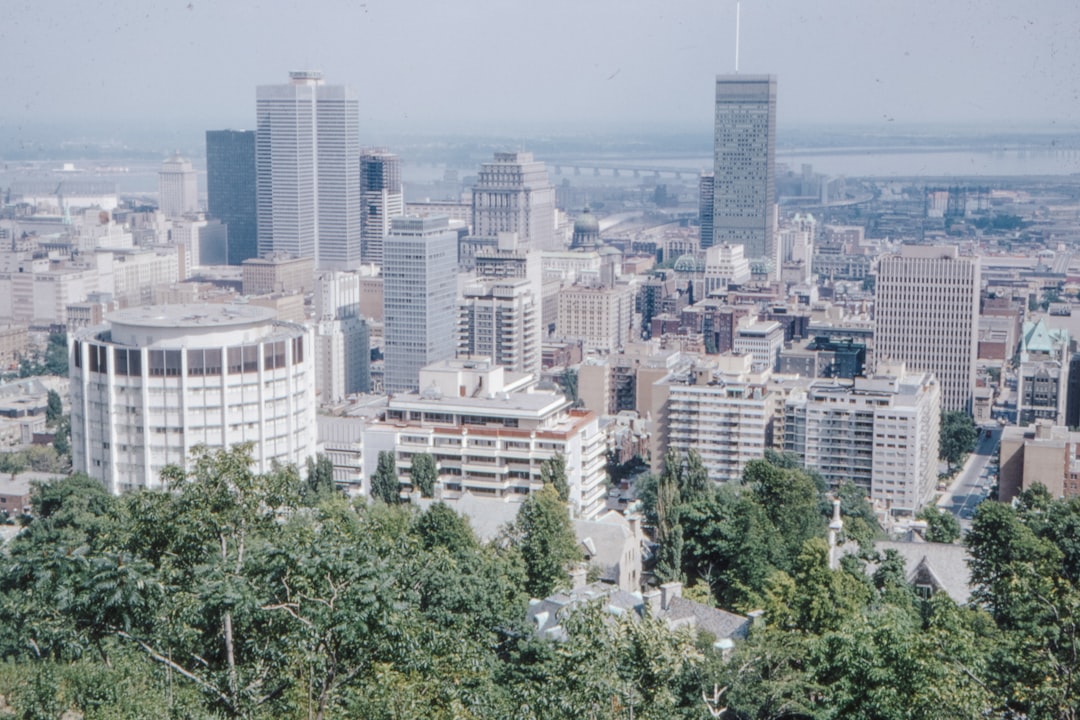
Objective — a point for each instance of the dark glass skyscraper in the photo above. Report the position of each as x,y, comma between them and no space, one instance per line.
230,189
744,182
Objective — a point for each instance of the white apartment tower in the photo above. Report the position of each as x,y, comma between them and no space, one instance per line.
154,382
307,171
382,199
342,339
514,194
880,433
744,172
178,191
927,316
500,320
419,298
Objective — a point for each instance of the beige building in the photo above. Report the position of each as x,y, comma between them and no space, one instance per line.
927,316
278,274
601,318
14,343
1040,453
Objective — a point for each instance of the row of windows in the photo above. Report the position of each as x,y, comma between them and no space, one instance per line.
167,363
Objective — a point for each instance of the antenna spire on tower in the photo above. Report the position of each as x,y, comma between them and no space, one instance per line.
737,12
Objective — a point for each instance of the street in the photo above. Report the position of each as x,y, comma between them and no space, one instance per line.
974,481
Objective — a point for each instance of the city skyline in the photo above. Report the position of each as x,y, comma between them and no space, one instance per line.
593,67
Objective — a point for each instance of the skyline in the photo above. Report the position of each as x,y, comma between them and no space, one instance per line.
486,67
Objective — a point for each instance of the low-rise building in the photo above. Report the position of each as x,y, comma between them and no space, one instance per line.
489,432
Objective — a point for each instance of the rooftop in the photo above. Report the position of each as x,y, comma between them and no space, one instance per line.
191,316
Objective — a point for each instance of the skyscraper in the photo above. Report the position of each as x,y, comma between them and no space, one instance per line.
706,201
382,198
307,160
744,172
419,292
927,316
513,194
230,189
178,192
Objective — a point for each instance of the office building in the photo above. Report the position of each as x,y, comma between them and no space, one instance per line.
1043,375
419,298
927,316
600,318
154,382
382,198
490,432
230,190
1041,453
307,171
744,173
881,433
706,199
500,319
178,190
342,338
513,194
725,265
277,273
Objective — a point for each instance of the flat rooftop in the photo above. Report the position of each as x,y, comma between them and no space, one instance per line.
191,316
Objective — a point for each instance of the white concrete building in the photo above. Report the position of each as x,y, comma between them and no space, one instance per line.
178,191
725,266
500,319
882,433
420,282
763,341
726,418
927,316
489,431
307,170
154,382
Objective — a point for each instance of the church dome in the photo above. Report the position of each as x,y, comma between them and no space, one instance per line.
586,223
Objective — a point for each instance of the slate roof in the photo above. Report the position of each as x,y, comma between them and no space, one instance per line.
945,564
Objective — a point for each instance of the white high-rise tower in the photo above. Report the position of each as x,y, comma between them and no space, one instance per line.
927,312
178,192
307,160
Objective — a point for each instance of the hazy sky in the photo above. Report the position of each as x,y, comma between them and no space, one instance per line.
507,66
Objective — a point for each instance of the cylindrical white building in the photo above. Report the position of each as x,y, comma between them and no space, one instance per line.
154,382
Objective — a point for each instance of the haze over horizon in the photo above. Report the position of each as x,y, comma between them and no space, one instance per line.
508,69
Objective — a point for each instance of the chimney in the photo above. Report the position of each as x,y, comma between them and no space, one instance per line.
1043,429
652,602
668,592
578,577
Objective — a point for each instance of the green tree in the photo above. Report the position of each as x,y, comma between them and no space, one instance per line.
668,566
319,482
423,475
54,408
958,437
941,525
62,440
553,473
441,527
384,482
547,542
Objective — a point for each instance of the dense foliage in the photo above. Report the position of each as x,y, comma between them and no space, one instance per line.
236,595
